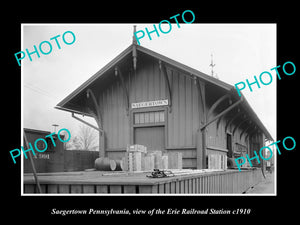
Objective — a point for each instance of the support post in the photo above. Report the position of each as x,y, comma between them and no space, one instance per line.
203,131
201,134
263,164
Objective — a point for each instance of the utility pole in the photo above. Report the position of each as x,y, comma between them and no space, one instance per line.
55,125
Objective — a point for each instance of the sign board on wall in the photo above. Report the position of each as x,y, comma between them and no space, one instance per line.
149,104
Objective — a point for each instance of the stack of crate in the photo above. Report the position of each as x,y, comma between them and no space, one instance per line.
134,157
217,161
138,159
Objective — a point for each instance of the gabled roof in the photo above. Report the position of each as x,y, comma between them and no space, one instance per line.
147,51
170,62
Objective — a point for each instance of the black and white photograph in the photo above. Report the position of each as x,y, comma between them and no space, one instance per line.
165,109
124,112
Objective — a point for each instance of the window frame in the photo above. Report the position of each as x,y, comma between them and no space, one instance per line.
149,110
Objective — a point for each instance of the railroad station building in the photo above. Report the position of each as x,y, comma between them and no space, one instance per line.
143,97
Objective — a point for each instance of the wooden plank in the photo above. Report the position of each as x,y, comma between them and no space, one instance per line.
147,189
177,187
210,184
63,188
222,184
200,189
76,188
182,186
219,184
154,189
128,189
102,189
29,188
43,188
175,109
206,184
173,187
189,111
161,188
115,189
182,109
186,186
167,188
52,188
193,186
214,184
88,189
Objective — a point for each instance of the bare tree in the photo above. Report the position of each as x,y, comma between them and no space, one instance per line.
87,137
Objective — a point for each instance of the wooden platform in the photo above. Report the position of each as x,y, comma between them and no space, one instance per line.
197,182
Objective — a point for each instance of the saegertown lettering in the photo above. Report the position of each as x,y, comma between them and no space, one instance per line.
91,211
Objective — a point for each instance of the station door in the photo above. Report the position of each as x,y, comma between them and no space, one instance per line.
151,137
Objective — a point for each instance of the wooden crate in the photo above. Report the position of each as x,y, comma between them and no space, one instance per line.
137,148
164,160
148,164
217,161
174,160
157,159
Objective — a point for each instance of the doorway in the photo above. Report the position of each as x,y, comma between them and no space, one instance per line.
229,145
149,129
151,137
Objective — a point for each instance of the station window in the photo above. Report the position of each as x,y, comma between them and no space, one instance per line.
149,117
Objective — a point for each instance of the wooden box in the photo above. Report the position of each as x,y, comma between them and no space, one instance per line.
164,160
174,160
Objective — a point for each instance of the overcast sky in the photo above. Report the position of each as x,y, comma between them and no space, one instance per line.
240,51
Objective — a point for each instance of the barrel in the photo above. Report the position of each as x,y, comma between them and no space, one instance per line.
119,165
105,164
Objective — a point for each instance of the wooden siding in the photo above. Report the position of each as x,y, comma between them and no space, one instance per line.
225,182
147,83
183,121
115,119
216,136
